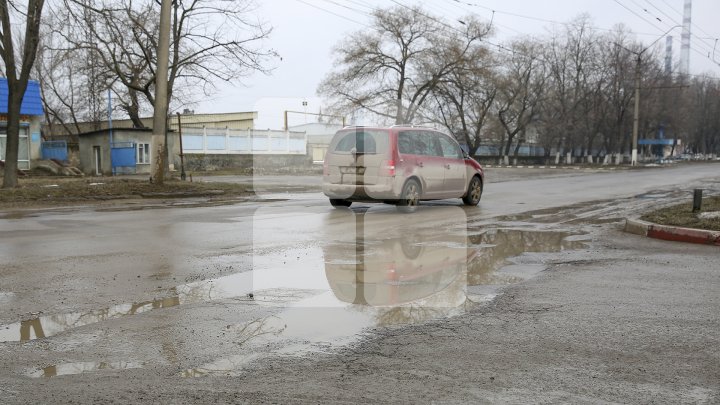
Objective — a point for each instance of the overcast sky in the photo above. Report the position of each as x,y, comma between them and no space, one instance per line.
305,31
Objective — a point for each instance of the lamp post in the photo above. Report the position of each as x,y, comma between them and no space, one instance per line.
636,115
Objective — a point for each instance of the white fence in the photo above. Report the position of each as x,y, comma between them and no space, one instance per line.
229,141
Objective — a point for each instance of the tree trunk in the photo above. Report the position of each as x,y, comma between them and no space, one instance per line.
13,136
508,145
17,84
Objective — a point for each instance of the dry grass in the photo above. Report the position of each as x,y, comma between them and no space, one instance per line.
682,215
53,191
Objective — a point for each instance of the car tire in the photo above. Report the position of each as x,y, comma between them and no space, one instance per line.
474,193
338,203
410,197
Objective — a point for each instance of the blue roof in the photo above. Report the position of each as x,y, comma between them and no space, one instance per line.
32,102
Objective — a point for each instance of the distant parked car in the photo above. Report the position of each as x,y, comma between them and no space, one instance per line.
399,165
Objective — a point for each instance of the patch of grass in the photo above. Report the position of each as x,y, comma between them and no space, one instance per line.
59,191
682,215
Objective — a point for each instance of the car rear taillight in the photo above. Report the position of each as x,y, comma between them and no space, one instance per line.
387,168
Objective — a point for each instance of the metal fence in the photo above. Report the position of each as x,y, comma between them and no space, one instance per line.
228,141
123,157
54,150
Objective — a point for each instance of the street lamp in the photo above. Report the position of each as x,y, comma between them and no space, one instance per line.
636,118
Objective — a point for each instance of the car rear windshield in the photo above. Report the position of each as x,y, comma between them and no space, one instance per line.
364,141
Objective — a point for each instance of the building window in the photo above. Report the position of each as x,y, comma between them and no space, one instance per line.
23,147
143,153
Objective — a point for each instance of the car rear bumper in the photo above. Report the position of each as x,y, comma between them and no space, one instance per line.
361,192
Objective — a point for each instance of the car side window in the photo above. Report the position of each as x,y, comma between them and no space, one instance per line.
406,144
412,143
419,143
434,147
449,148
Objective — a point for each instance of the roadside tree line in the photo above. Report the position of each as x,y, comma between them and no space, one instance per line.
571,90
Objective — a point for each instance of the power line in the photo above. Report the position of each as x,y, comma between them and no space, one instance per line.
637,15
567,24
674,22
493,21
348,7
660,29
681,15
447,30
333,13
498,46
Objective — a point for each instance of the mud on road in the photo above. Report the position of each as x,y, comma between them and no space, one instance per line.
266,304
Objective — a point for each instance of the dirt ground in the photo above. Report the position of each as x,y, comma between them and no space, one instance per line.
682,215
62,191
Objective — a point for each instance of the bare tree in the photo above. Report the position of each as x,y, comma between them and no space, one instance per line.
521,89
463,100
618,89
211,41
704,127
17,80
569,55
72,80
392,69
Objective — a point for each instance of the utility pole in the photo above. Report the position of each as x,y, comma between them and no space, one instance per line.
161,95
636,118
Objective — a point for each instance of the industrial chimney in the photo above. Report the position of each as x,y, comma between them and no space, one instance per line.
685,50
668,54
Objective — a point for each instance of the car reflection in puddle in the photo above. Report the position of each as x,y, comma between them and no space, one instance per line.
402,268
374,268
381,268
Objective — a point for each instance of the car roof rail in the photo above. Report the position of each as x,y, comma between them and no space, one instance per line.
412,126
354,126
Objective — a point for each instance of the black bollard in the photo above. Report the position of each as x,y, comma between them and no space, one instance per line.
697,200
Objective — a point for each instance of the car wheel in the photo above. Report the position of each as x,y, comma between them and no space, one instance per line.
474,192
410,197
338,203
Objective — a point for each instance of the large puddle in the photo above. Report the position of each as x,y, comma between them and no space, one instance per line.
372,269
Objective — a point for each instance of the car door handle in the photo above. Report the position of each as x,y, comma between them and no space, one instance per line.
420,164
447,167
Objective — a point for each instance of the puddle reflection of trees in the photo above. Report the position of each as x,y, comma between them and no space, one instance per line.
498,245
272,326
447,300
46,326
269,326
82,367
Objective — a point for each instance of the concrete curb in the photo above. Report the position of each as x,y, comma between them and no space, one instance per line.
672,233
554,167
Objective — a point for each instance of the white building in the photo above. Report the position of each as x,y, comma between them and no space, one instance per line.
319,135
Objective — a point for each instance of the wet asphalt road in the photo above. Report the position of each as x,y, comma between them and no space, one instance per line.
535,296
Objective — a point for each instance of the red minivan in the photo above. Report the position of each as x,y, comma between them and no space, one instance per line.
399,165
